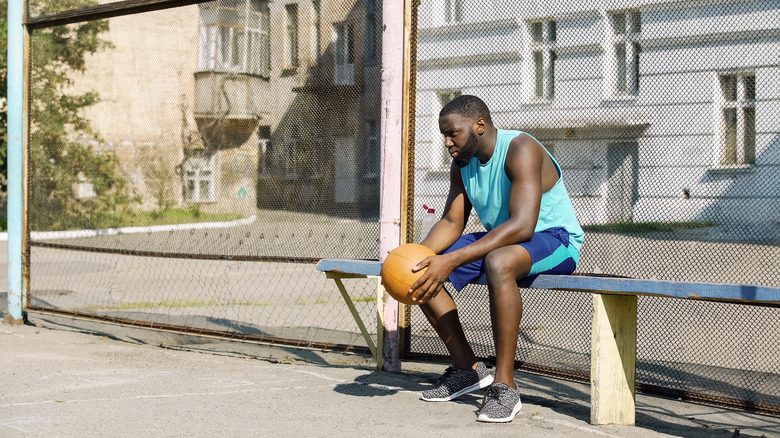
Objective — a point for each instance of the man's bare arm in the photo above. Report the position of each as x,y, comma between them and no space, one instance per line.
524,168
456,212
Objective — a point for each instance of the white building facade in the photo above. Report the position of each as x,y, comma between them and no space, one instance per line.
656,111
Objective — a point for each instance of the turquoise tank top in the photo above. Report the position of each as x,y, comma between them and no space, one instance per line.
487,187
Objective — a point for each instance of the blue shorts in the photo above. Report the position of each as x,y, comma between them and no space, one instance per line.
550,252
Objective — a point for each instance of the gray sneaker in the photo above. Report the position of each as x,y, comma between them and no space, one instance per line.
456,382
500,405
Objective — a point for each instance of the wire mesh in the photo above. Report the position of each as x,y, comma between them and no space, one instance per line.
662,116
189,165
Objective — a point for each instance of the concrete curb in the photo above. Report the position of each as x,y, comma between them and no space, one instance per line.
44,235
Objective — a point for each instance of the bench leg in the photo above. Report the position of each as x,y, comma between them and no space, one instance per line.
613,359
380,324
358,320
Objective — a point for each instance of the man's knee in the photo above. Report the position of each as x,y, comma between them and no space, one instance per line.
505,264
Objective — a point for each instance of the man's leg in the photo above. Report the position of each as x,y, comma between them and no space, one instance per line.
443,316
466,374
503,267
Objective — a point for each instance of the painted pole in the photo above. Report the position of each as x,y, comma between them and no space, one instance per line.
15,213
391,180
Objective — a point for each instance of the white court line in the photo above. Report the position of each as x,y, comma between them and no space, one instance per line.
11,422
573,426
42,235
162,396
320,376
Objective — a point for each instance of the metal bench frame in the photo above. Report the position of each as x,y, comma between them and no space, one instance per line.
613,335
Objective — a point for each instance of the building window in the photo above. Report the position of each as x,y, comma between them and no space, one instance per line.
199,177
291,42
372,155
453,11
622,54
736,108
369,45
540,60
291,158
290,154
440,158
265,158
233,37
316,30
345,54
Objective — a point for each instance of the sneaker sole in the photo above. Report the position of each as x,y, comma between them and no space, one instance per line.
515,410
484,383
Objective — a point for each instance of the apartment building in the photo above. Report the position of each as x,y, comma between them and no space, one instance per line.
656,110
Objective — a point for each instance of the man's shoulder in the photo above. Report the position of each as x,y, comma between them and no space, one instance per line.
521,141
509,133
513,136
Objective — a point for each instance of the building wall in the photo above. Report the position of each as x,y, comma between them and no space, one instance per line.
145,84
158,107
670,122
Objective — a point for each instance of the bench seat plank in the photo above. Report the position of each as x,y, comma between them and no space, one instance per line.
602,284
676,289
371,268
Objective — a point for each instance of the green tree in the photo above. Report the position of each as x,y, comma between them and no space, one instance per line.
57,160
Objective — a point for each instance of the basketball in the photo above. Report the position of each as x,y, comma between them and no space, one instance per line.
397,275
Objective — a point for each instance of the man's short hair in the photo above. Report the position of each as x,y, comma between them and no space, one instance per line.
470,107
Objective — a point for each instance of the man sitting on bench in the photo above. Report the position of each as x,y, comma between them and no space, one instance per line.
516,188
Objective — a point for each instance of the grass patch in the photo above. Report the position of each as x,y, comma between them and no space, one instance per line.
305,302
646,227
363,299
3,225
154,305
174,216
250,303
173,304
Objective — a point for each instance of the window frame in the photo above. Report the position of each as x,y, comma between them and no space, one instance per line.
540,59
343,53
290,157
316,30
622,47
292,38
199,175
265,159
453,11
369,36
227,47
739,152
373,154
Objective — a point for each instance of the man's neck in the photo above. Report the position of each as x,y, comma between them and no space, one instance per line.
487,144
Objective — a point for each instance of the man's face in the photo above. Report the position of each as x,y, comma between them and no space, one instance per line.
459,138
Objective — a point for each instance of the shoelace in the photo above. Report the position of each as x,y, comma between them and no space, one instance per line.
446,374
492,391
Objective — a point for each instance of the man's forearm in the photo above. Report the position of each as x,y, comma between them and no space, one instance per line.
442,235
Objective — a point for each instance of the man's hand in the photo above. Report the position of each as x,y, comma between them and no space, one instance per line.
430,284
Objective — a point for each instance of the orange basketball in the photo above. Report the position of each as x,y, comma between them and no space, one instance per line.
397,275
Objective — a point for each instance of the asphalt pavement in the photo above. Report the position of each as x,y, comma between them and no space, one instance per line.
65,377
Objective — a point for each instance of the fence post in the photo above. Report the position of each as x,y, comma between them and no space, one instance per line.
15,162
393,156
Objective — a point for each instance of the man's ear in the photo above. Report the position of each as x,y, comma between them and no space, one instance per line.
479,126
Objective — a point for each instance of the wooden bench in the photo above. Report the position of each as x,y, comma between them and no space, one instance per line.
613,336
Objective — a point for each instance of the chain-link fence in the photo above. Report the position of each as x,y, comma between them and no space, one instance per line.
187,165
663,117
